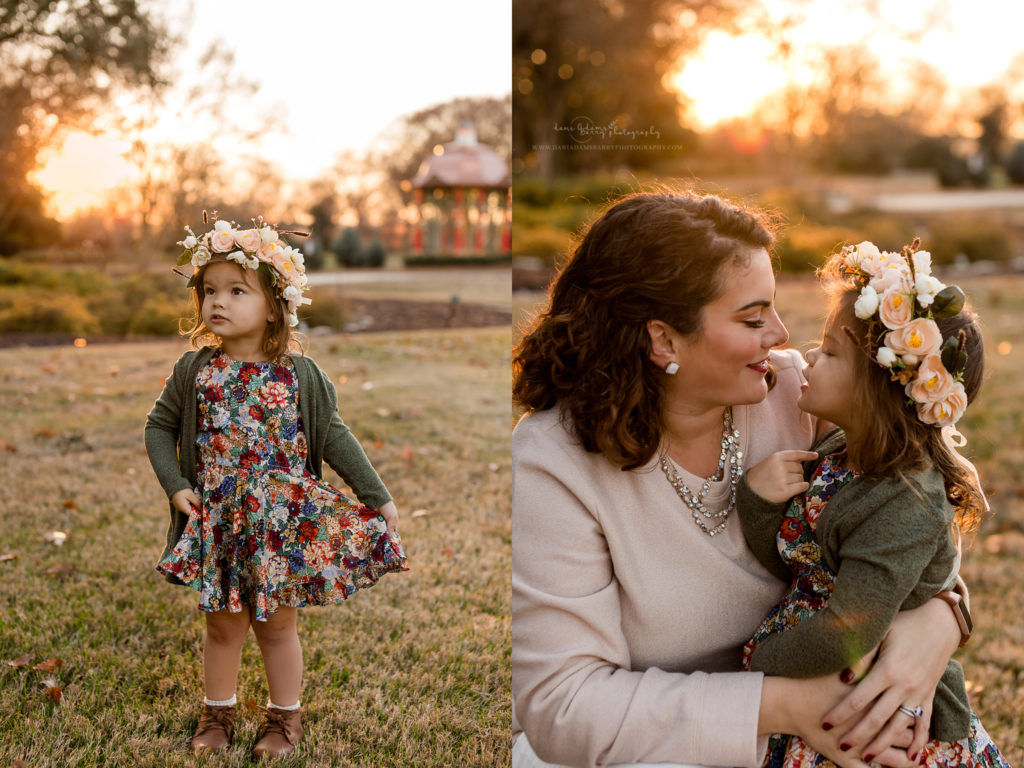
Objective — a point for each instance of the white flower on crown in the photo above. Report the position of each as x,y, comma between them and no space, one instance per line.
867,304
201,255
293,319
268,235
189,242
922,263
290,292
855,254
926,287
885,356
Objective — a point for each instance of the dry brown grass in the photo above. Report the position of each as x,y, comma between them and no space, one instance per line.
412,672
993,561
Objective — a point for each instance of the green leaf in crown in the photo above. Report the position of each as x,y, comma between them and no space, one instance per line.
948,302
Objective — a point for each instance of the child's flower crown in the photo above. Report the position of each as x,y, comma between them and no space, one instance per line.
899,302
259,248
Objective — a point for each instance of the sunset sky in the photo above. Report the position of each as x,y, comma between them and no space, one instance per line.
971,43
338,73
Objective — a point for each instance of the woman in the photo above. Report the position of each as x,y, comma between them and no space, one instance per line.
650,384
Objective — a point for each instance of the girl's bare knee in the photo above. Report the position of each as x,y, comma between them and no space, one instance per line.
226,628
279,628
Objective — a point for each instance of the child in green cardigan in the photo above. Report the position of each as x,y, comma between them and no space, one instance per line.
868,524
237,440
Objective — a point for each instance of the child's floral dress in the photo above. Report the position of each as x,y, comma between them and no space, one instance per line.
809,592
269,533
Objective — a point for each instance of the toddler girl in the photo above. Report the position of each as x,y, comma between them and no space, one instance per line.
237,440
876,528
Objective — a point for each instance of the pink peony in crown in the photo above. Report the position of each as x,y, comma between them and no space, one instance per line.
259,248
899,302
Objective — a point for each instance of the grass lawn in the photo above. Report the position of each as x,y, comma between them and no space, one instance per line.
414,671
993,560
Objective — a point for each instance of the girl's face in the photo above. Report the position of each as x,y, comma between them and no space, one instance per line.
725,363
831,374
235,307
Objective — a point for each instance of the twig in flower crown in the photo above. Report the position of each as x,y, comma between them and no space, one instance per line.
857,343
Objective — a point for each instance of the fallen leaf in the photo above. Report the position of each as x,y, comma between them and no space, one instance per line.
8,556
52,689
114,370
44,432
57,538
406,452
419,513
9,447
49,665
47,368
69,504
448,552
378,444
21,661
342,379
250,704
19,764
60,570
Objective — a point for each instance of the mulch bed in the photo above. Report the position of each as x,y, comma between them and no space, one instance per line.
364,315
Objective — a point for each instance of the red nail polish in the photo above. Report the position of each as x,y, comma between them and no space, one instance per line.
921,760
826,726
868,758
847,676
844,747
913,756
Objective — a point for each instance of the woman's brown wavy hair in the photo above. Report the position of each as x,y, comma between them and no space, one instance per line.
895,440
278,338
649,256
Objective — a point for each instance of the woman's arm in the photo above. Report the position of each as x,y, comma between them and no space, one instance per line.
575,693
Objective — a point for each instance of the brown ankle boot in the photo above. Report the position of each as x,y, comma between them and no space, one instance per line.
280,732
215,729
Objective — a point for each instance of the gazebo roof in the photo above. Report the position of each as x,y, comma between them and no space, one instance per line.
464,163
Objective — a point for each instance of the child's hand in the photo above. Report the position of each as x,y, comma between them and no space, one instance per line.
780,476
185,498
390,513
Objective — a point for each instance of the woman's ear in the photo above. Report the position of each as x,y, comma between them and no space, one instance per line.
663,350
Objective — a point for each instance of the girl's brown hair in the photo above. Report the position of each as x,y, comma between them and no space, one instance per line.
278,338
650,256
894,439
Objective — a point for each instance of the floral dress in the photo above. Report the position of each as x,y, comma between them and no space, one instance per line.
809,591
269,533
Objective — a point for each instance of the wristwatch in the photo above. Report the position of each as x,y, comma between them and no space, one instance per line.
960,613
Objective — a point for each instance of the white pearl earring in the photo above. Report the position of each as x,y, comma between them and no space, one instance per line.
672,368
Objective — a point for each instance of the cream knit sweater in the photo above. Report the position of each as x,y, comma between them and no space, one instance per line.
627,620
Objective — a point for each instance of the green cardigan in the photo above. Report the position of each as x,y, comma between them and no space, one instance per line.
890,543
171,436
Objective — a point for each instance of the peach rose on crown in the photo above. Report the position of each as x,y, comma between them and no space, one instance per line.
899,301
259,248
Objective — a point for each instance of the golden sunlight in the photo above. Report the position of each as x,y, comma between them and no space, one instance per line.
81,171
728,77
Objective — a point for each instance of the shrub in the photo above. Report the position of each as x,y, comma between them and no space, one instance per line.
545,242
805,247
329,308
980,238
47,313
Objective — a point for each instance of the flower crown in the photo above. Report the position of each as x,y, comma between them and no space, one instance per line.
899,302
259,248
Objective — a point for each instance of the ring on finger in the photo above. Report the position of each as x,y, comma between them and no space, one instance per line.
914,712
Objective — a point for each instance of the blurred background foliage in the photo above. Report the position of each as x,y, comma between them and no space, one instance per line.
822,151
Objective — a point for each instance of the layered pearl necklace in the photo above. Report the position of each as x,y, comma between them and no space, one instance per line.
730,456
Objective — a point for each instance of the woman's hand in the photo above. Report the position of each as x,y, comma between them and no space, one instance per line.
779,476
184,499
390,514
794,706
910,663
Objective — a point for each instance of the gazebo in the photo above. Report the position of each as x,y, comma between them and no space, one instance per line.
463,199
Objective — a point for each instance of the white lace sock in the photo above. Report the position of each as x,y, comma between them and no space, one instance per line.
225,703
290,708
